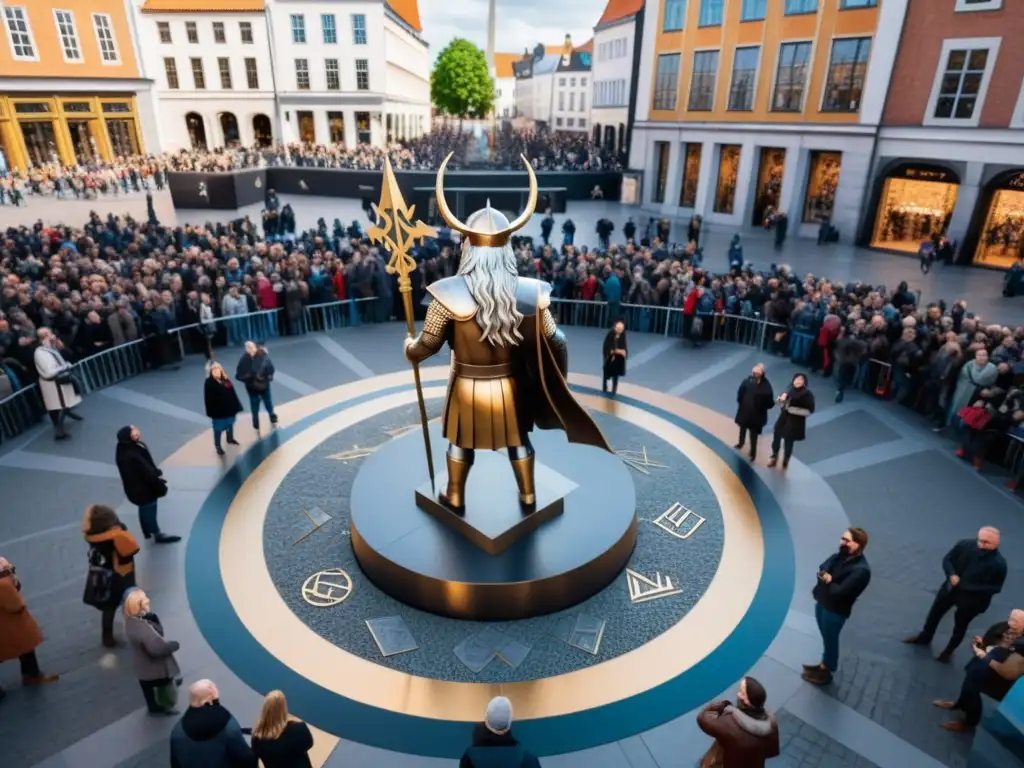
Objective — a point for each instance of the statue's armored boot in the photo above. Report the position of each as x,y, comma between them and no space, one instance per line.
523,469
454,496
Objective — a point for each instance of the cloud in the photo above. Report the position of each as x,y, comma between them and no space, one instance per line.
519,24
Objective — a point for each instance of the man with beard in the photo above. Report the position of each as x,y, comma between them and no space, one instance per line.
841,580
975,571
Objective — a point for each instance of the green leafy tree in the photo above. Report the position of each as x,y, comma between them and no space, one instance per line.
461,85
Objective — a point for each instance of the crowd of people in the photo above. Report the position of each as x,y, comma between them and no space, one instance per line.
549,151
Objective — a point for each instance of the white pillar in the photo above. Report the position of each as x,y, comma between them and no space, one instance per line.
674,179
749,155
966,200
321,126
707,179
350,128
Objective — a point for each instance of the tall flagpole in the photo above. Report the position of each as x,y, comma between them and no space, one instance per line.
396,231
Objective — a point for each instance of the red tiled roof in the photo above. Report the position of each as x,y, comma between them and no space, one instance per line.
620,9
587,47
408,11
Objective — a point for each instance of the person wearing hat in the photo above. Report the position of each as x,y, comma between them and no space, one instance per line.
493,745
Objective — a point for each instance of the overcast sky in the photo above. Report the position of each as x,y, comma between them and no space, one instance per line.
519,23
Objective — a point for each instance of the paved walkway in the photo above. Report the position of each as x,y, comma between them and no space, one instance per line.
864,462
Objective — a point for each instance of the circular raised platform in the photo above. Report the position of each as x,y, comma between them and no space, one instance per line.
425,563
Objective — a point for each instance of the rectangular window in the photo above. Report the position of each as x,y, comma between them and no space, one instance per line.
794,7
662,151
333,75
675,13
691,175
702,83
846,71
572,102
302,74
583,102
358,29
791,77
961,83
728,172
245,30
224,67
666,82
192,32
710,13
582,122
298,28
744,75
218,32
845,5
105,37
362,75
198,77
171,70
163,28
22,44
570,122
68,35
252,75
561,82
307,127
822,183
561,101
336,127
559,121
753,10
329,28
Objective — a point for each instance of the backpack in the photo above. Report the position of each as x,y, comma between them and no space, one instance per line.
99,581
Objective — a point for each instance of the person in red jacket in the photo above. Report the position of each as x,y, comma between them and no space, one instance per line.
745,733
690,309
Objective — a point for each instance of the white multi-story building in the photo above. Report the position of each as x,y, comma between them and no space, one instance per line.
505,85
212,70
350,71
267,71
553,89
616,42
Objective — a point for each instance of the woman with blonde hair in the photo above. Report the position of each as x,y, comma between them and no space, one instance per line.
112,551
152,654
222,404
279,740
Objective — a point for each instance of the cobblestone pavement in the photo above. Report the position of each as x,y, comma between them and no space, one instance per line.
804,746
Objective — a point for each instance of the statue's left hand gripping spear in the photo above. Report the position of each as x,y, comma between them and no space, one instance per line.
397,232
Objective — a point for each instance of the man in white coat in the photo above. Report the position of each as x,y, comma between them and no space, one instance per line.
55,385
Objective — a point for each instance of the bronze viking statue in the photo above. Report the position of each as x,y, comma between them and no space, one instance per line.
509,360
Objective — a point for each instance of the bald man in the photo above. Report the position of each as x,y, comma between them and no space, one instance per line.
207,734
975,572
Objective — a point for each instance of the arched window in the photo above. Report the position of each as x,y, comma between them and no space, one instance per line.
262,131
229,128
196,130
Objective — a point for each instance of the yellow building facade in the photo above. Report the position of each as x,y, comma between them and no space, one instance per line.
70,88
750,107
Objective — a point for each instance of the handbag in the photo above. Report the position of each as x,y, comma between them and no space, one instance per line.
974,417
99,582
166,695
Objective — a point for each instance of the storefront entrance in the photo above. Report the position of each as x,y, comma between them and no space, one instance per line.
769,184
822,183
1001,240
916,203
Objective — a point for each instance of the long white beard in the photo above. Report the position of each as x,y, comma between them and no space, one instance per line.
490,274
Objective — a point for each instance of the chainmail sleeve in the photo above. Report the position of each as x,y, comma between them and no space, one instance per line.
433,335
556,340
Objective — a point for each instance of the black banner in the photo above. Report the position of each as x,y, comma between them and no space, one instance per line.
230,191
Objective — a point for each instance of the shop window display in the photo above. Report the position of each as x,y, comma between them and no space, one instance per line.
769,185
912,210
728,172
307,129
691,174
661,151
1002,239
40,142
822,183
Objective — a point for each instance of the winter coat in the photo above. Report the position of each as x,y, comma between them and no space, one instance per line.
850,577
209,737
850,350
792,422
970,379
152,654
117,549
741,740
615,365
496,750
19,633
221,399
50,364
142,480
257,371
981,572
753,401
289,750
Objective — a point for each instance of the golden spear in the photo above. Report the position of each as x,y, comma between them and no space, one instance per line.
397,232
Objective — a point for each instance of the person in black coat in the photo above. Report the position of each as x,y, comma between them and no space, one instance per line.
257,371
797,404
616,350
975,572
222,405
279,740
841,580
143,481
493,744
753,401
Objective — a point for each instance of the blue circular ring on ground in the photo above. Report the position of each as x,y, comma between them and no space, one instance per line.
382,728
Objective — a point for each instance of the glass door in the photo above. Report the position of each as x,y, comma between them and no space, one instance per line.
122,136
82,141
40,142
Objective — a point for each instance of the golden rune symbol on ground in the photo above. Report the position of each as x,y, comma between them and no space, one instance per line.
355,452
327,588
639,460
